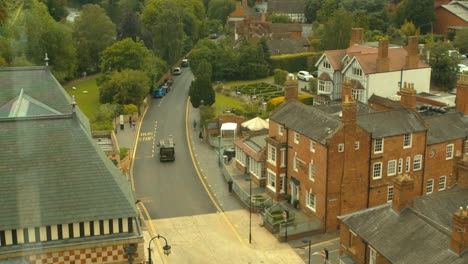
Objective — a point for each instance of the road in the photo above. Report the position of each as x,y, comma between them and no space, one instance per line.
170,189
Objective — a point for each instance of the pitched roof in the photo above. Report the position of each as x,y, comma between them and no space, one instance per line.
376,99
411,236
446,127
306,120
287,46
286,6
458,8
253,146
391,123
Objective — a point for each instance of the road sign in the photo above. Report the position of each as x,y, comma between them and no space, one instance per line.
285,215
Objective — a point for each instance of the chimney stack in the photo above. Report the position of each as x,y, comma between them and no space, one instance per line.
461,100
263,18
291,88
459,241
357,36
383,62
402,192
408,96
412,59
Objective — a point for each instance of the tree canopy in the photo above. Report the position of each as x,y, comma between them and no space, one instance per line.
201,88
444,67
420,12
337,31
124,87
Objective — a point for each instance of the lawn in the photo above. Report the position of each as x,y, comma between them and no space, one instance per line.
86,95
224,103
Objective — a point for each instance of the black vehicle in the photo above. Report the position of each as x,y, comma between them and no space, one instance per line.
166,150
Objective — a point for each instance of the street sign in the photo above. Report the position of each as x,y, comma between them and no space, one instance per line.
285,215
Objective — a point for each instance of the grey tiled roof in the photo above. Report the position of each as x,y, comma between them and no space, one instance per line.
335,108
306,120
411,236
384,101
287,45
442,128
391,123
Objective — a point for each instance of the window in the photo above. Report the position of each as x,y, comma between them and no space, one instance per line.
372,256
400,166
378,145
283,157
281,183
391,169
442,183
324,87
280,130
312,171
255,167
352,237
296,137
407,140
312,146
311,201
340,147
272,154
429,186
377,172
326,64
356,145
241,157
271,180
357,94
417,162
408,162
357,71
449,152
296,163
389,194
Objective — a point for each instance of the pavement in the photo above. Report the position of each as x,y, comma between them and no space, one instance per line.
222,237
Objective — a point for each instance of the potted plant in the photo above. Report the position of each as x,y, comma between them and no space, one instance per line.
296,203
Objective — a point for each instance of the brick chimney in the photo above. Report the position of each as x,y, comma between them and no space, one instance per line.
408,96
263,18
412,59
403,187
291,88
383,62
348,110
459,241
461,101
357,36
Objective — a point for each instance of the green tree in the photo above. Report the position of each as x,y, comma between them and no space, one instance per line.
444,67
123,88
327,8
93,31
461,41
266,52
220,9
57,8
420,12
279,76
201,88
310,9
252,64
409,29
129,26
337,31
163,19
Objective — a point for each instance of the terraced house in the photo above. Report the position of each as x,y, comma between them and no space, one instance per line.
340,158
63,200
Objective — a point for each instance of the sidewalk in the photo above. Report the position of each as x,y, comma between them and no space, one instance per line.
222,237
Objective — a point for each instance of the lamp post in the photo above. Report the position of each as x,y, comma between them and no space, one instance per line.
250,211
307,241
166,248
219,150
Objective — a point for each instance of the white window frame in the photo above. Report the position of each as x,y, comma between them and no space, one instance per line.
408,164
358,94
324,87
296,137
271,180
430,186
255,167
442,183
389,194
311,201
312,146
378,145
372,256
241,157
280,130
356,145
272,154
417,162
340,147
283,157
296,163
326,64
407,140
377,170
282,183
391,167
449,151
312,170
400,166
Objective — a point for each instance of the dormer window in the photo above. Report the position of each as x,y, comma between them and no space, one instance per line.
357,71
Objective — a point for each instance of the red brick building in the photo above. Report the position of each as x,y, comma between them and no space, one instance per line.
451,15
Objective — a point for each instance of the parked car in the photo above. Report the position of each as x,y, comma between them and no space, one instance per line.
462,68
184,63
304,75
177,71
159,92
314,73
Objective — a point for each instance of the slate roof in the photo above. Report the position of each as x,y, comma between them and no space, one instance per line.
391,123
306,120
411,236
253,146
446,127
52,171
376,99
335,109
458,8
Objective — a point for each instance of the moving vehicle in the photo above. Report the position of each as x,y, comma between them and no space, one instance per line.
177,71
159,92
184,63
166,149
304,75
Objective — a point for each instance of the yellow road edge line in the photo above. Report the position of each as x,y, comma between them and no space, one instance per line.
153,232
199,174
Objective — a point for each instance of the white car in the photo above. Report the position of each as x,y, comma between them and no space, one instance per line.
462,68
304,75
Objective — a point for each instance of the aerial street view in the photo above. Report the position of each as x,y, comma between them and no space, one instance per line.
224,131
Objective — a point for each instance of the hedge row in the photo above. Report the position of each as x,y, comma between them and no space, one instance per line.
295,62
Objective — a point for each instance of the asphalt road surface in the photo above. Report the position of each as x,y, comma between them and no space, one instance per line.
168,189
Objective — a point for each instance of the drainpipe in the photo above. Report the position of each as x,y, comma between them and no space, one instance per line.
401,78
286,153
369,171
326,188
424,165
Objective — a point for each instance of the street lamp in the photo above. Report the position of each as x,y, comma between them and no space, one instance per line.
307,241
166,248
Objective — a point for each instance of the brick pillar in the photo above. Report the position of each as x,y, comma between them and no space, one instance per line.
383,62
291,89
402,192
412,59
357,36
459,241
461,101
408,96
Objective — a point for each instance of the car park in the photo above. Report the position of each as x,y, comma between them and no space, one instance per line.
177,71
304,75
